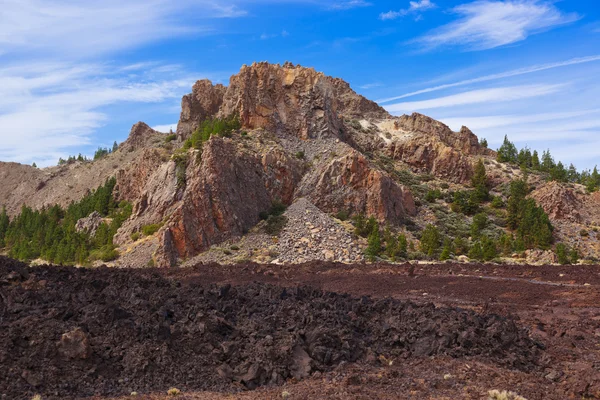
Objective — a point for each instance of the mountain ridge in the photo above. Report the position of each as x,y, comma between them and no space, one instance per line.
301,134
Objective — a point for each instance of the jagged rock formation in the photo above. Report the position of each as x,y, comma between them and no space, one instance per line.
351,183
304,136
432,147
89,224
204,101
559,202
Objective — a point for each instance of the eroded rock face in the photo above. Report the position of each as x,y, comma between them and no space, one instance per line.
351,183
285,99
464,141
559,202
204,101
429,146
89,224
224,195
141,136
431,156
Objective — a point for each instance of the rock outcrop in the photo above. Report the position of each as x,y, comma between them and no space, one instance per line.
285,99
224,195
429,146
140,137
204,102
351,183
559,202
89,224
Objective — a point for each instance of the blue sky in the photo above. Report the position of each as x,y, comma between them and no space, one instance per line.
75,75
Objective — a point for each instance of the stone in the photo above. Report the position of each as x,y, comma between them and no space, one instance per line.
75,345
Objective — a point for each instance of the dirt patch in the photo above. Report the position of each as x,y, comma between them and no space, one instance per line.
68,332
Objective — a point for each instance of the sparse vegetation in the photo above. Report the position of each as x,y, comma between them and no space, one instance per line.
173,392
169,138
213,126
151,229
50,233
300,155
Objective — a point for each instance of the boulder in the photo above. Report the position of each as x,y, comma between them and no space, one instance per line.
89,224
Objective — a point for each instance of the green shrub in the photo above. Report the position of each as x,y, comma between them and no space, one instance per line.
497,202
583,233
170,138
149,230
300,155
363,227
374,247
181,160
275,224
433,195
214,126
105,253
234,248
562,253
135,236
342,215
431,240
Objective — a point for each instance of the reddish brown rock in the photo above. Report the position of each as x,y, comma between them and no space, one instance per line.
202,103
559,202
351,183
224,195
141,136
75,344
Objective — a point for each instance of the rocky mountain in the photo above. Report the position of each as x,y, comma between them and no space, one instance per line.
301,135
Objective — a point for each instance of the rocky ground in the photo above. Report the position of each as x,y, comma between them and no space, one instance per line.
308,235
440,331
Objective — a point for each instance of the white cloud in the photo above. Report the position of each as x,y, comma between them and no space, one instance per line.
266,36
346,5
486,24
166,128
370,85
48,109
497,121
501,94
501,75
74,28
414,7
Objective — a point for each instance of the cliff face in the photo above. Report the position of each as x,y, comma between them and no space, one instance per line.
304,135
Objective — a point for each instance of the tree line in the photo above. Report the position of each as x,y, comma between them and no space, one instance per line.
50,234
556,171
529,227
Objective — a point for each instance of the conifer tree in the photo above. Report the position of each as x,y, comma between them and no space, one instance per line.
480,183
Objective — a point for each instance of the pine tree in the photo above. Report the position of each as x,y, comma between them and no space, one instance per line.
115,146
535,161
507,152
480,222
34,165
430,240
480,183
446,250
374,244
402,246
562,253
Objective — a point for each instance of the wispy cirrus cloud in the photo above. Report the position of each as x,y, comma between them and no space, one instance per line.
347,5
414,7
77,29
500,75
486,24
48,108
499,94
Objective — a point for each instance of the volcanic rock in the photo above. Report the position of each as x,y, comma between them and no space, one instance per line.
89,224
